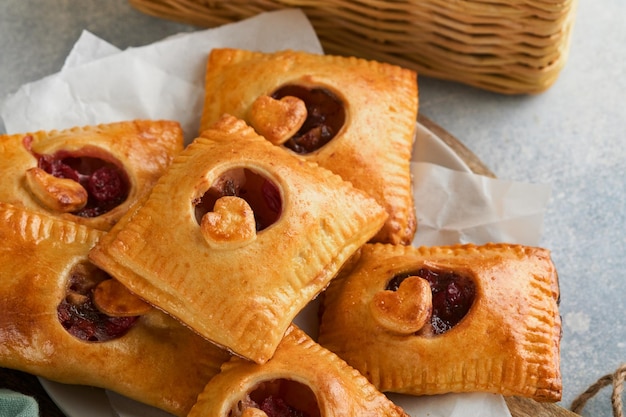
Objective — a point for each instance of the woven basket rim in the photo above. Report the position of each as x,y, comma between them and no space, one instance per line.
506,46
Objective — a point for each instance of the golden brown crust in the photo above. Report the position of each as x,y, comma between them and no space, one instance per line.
277,120
114,299
62,195
142,148
151,363
336,388
507,343
230,224
242,296
372,150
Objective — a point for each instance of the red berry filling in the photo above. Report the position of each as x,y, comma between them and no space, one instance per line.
282,398
277,407
107,186
78,313
326,116
452,295
261,194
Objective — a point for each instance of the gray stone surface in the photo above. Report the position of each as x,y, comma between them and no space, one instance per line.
571,137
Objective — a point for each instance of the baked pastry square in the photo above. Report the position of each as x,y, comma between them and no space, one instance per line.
352,116
90,174
449,319
237,237
301,379
52,324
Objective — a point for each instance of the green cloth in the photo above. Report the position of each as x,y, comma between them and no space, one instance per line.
14,404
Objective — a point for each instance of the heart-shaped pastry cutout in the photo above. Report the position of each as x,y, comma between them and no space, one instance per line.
278,120
253,412
59,194
230,225
113,298
406,310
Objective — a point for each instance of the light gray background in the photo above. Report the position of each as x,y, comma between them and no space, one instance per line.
571,137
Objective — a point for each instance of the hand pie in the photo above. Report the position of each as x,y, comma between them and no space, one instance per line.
90,175
352,116
493,323
50,325
237,237
301,379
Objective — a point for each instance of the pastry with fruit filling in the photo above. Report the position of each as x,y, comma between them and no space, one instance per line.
90,175
301,380
237,237
352,116
66,320
449,319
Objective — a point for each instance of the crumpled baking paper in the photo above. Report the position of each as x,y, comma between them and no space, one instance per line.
163,80
100,84
467,208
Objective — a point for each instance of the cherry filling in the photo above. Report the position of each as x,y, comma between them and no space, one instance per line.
326,116
261,194
107,186
78,313
280,398
452,295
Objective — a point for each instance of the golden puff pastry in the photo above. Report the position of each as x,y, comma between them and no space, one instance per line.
493,323
50,327
237,237
90,175
302,378
352,116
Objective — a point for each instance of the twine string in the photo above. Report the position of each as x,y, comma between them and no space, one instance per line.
617,380
618,388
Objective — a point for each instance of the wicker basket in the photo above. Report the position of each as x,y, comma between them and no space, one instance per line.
506,46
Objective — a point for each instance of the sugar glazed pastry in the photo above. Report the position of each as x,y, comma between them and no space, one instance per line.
449,319
65,320
301,379
352,116
90,175
237,237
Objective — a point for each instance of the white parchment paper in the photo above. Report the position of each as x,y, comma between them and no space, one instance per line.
100,83
163,80
466,208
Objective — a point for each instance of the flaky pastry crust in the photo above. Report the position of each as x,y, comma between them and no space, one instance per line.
373,148
158,361
241,294
142,149
507,343
302,374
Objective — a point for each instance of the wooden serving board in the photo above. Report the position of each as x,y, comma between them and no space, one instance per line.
519,407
